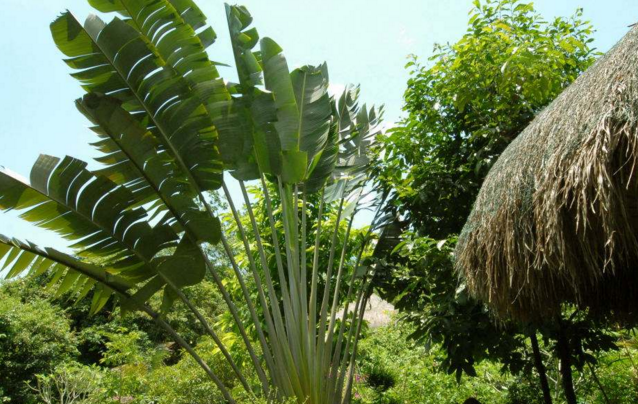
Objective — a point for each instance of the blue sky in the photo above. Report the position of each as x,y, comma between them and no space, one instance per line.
364,42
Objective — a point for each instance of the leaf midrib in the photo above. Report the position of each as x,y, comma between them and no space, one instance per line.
152,116
84,217
301,109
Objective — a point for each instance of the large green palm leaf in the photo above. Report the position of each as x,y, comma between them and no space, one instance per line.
116,59
171,27
67,272
91,211
137,161
103,223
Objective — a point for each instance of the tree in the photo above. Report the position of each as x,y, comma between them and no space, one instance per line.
463,109
169,127
473,100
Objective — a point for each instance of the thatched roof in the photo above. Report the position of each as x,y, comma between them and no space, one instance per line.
557,218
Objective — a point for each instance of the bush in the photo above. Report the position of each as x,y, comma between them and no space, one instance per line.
380,378
523,391
618,375
35,337
68,384
387,353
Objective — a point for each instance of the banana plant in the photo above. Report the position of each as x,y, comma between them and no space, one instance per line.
170,131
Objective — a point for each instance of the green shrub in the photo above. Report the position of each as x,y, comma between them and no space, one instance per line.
68,384
380,378
35,337
619,378
416,373
522,391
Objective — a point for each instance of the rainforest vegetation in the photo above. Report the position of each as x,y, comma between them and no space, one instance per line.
217,254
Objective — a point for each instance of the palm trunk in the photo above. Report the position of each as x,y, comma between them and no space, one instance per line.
564,354
540,368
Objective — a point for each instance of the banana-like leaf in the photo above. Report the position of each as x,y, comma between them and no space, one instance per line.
254,133
170,26
116,59
95,213
88,210
278,81
187,9
267,144
357,130
69,274
186,257
326,160
303,111
315,112
137,160
185,267
243,39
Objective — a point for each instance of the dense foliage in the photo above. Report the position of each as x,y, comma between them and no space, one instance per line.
394,369
136,369
260,317
463,108
472,99
35,337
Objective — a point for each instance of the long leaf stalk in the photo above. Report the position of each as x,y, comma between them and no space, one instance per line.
351,287
226,296
312,310
337,291
350,383
339,367
291,237
275,332
291,321
309,334
283,351
242,330
213,335
301,339
321,342
336,393
320,390
342,364
251,308
188,348
336,369
349,354
315,271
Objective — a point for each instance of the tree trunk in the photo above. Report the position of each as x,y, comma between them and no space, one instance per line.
598,383
540,368
564,355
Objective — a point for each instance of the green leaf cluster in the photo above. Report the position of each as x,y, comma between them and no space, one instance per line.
464,106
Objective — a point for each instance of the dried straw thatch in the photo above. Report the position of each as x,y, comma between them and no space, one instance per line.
557,218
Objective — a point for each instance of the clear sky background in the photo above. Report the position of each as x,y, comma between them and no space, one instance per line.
364,42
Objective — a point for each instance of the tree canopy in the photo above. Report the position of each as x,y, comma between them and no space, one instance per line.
470,101
463,107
